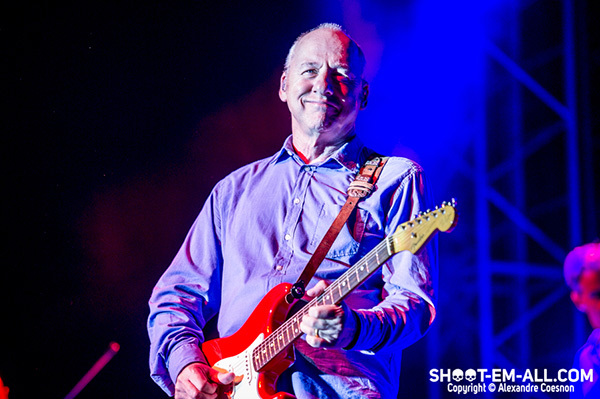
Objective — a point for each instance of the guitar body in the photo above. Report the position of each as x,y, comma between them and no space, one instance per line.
234,353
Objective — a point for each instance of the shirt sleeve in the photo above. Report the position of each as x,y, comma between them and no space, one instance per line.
409,292
185,298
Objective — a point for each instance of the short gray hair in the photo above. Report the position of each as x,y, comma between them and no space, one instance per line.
585,257
326,25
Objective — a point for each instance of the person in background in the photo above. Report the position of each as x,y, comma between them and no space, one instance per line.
582,274
3,389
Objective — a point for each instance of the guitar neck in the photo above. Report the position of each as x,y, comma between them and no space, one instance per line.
411,236
333,295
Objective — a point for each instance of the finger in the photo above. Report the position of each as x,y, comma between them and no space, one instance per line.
209,388
321,329
187,390
309,324
202,382
330,312
316,342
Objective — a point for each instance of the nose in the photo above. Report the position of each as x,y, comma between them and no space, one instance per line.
323,83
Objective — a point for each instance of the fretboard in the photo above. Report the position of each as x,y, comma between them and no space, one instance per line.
333,295
411,236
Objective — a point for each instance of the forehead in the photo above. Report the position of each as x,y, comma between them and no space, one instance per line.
325,45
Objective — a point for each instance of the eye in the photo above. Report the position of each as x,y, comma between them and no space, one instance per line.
312,71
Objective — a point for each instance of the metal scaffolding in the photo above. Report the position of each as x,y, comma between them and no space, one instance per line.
527,173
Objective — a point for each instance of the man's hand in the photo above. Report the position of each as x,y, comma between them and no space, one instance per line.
200,381
327,326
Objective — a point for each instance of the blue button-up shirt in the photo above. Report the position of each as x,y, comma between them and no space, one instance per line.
258,228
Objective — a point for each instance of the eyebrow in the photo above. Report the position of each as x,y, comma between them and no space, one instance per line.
312,64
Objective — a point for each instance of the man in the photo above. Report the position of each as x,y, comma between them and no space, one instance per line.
582,274
262,223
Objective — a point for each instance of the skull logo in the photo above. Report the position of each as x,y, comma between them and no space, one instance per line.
457,374
470,375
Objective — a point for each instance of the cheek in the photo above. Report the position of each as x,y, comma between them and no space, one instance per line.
302,87
345,90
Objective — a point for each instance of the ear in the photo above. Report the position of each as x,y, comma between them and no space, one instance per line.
364,94
282,87
576,298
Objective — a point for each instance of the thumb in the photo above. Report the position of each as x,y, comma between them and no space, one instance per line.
225,378
317,289
222,376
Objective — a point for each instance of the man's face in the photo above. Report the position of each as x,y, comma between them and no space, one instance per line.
587,298
323,85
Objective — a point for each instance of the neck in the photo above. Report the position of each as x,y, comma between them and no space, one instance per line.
318,147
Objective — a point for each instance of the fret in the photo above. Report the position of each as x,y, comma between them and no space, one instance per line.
384,255
338,293
255,362
279,343
350,279
256,359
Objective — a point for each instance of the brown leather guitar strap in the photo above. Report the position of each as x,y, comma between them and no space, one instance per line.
362,186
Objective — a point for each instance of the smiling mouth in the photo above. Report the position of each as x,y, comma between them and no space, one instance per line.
322,103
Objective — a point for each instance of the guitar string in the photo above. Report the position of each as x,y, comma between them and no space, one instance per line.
271,339
354,270
293,322
264,346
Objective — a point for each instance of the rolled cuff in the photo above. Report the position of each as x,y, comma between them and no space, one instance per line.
182,356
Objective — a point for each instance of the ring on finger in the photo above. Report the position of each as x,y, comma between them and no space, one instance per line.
317,333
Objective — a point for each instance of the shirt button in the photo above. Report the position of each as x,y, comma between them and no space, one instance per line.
297,201
287,237
279,268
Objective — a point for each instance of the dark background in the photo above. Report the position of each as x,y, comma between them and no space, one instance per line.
118,120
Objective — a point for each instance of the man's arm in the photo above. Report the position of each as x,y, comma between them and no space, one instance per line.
184,299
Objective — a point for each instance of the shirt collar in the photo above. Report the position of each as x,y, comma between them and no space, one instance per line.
349,156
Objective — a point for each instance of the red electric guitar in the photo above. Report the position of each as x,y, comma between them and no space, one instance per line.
262,348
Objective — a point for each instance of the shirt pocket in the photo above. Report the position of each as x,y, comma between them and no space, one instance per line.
347,243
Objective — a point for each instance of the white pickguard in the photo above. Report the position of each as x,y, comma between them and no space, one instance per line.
241,365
